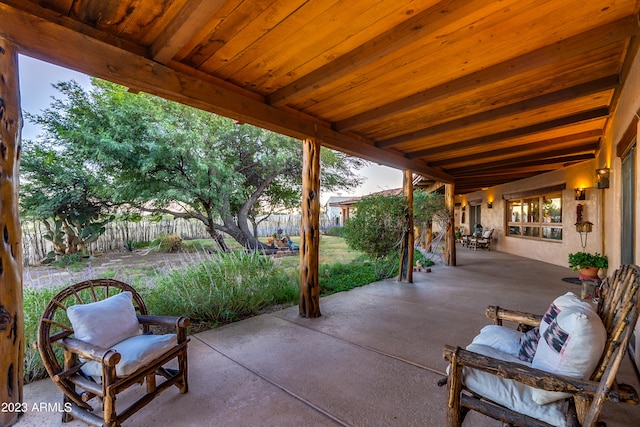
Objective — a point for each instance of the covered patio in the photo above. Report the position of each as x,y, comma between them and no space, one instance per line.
497,101
373,358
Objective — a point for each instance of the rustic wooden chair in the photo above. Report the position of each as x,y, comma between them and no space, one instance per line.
483,241
618,310
95,342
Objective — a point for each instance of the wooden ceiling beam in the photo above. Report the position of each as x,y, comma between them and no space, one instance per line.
574,146
508,172
585,89
598,113
561,50
540,144
478,169
193,15
430,21
49,42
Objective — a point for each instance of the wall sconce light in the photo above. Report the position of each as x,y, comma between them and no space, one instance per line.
602,177
489,204
579,193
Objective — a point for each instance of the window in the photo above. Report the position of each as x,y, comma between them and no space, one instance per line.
536,217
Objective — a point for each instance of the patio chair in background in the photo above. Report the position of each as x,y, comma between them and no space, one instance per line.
482,242
504,375
95,342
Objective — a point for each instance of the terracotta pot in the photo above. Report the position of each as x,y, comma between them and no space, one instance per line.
589,272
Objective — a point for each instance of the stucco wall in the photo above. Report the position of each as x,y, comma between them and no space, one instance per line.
628,107
578,176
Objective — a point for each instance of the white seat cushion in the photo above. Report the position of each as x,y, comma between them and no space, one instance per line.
105,323
510,393
136,353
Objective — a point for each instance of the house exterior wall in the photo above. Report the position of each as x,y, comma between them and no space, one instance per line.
603,207
578,176
628,108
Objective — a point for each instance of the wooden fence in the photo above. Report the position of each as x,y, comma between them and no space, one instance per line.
36,247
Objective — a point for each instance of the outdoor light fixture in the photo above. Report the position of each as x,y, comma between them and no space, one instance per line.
579,193
602,177
584,228
489,204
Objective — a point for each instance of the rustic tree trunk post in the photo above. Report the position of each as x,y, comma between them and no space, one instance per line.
309,301
406,257
11,306
450,256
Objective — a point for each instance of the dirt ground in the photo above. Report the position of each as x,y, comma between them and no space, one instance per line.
122,265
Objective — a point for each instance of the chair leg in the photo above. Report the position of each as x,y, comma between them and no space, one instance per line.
454,413
66,416
109,408
182,363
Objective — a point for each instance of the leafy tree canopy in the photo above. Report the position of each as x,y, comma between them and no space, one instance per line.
165,157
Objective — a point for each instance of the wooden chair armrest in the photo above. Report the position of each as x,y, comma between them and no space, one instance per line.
108,357
179,322
499,314
515,371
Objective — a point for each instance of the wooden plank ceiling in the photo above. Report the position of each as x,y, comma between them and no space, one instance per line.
475,92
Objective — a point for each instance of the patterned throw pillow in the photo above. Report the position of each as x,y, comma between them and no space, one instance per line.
529,344
571,345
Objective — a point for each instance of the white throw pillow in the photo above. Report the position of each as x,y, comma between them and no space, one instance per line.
572,345
501,338
563,301
136,352
105,323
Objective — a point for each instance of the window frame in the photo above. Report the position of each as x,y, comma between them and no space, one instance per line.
529,220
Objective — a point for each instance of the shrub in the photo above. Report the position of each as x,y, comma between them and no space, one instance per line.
377,225
335,231
35,301
220,289
340,277
168,243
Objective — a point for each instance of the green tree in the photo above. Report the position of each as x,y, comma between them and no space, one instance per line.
65,194
429,207
164,157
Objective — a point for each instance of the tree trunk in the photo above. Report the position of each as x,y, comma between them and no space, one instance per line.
309,296
406,257
11,304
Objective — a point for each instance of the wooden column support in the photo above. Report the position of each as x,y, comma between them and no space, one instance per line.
309,295
11,305
408,239
450,236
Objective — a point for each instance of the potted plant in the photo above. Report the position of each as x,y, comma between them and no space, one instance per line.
588,264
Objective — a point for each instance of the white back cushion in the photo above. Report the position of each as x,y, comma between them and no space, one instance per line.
105,323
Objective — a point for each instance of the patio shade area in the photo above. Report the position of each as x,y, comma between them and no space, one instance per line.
473,91
372,359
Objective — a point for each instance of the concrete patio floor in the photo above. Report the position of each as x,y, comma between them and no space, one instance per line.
372,359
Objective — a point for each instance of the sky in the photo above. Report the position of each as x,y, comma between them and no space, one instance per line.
36,91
